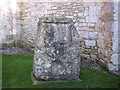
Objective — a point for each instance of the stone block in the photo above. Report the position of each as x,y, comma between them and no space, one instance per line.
74,14
76,24
84,34
91,24
94,57
84,24
91,19
82,20
56,54
114,58
89,3
90,42
69,17
54,8
86,12
92,34
115,46
80,14
80,24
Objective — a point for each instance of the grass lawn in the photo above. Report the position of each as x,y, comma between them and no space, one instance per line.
16,71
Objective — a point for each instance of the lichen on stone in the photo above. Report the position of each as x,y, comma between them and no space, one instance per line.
56,54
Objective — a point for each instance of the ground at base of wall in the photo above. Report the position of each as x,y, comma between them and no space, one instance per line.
115,72
17,50
90,65
95,66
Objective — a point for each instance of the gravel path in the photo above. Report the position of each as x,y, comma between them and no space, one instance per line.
14,50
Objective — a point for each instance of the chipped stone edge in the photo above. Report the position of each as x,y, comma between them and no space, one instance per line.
36,82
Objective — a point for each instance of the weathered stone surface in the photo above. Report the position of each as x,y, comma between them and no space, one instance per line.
108,37
90,43
96,21
56,54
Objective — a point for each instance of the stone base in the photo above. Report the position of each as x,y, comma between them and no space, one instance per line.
36,82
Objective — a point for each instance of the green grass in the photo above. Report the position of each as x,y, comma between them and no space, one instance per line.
17,69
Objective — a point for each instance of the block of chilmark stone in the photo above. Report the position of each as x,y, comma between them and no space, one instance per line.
56,55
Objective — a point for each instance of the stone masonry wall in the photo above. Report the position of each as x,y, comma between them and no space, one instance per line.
108,36
9,34
84,15
96,23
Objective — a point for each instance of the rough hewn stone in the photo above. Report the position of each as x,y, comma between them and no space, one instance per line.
56,54
91,19
106,39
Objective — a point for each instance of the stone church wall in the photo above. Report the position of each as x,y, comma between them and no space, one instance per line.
84,15
96,23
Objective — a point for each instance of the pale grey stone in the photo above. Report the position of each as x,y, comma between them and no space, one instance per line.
90,42
80,14
57,50
92,34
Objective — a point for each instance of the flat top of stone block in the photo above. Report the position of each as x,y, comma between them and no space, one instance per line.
61,20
